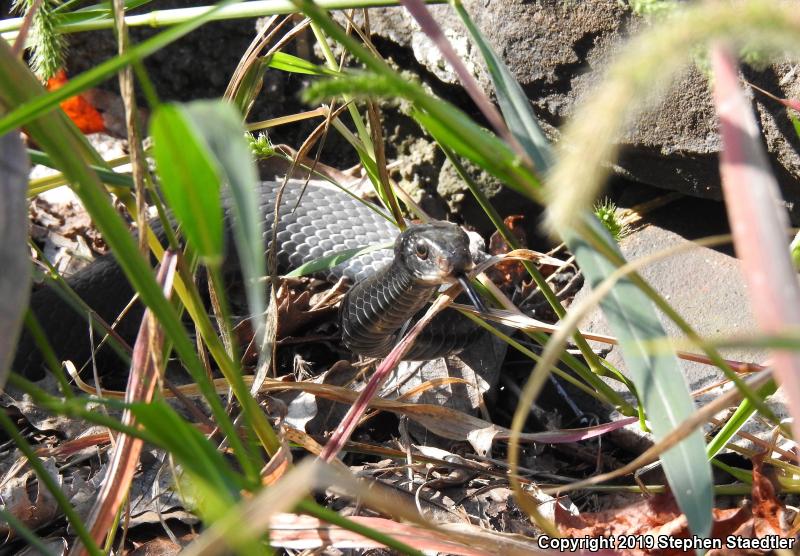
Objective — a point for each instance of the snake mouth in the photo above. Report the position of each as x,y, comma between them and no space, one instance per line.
471,293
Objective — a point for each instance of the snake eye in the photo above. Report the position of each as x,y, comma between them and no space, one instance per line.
421,250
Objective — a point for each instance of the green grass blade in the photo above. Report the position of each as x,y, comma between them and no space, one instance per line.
108,177
101,10
631,315
325,263
524,126
50,483
168,17
190,179
61,140
514,104
211,486
191,449
446,123
194,155
657,376
293,64
745,476
221,127
738,420
795,123
513,172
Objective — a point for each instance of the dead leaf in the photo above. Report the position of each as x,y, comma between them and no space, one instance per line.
63,228
295,314
657,526
508,272
156,547
481,439
25,498
768,512
56,547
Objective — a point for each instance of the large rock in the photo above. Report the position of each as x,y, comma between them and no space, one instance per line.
707,289
558,51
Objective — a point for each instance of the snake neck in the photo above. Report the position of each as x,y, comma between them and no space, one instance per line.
375,309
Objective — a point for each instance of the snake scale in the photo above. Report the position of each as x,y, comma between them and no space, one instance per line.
390,286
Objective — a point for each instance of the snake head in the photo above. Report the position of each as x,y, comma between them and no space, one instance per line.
435,253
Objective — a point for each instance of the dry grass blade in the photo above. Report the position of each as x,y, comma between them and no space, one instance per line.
301,532
25,27
387,501
443,421
350,421
696,420
132,125
142,381
267,510
520,321
759,222
514,318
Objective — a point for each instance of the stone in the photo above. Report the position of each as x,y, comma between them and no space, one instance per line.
704,286
558,52
707,289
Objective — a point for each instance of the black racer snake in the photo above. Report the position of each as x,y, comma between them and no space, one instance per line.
390,287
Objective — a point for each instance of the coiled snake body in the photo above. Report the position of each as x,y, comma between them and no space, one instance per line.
390,286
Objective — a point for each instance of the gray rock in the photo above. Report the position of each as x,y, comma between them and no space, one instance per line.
707,288
558,51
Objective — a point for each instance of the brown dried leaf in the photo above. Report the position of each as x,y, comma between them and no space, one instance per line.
295,312
656,516
44,420
508,272
768,512
157,547
659,517
65,228
25,498
56,547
